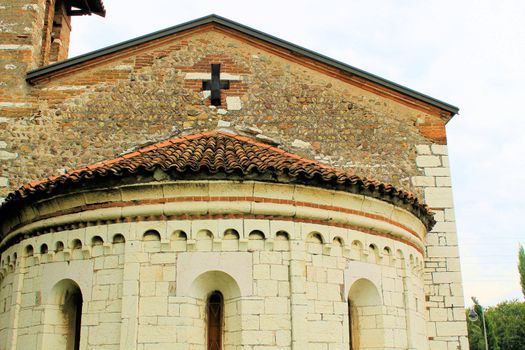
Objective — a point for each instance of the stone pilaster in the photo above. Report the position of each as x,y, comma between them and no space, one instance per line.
447,328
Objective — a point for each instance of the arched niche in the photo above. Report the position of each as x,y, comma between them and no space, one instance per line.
151,241
179,240
314,243
204,240
63,316
365,316
205,289
230,240
256,240
281,241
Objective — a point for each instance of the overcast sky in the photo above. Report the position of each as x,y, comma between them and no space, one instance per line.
467,53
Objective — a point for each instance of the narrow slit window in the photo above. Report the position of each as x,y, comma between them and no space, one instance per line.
215,313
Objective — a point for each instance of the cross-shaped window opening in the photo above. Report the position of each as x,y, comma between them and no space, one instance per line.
215,85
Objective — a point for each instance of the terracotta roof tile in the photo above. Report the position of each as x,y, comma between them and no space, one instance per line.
214,152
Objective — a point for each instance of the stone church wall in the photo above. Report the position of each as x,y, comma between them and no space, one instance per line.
150,93
285,280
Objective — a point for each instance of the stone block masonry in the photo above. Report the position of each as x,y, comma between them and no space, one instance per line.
444,293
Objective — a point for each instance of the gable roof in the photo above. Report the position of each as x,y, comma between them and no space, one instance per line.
214,153
215,19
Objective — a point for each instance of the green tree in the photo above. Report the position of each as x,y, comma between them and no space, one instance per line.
521,268
475,330
508,322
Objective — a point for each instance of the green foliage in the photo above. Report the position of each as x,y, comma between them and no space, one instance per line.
505,327
508,320
521,268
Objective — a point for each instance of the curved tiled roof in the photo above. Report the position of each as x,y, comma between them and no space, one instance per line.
221,152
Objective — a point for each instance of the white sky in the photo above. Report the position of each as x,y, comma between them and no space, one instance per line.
469,53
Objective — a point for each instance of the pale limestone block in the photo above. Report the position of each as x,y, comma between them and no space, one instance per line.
104,334
4,155
279,272
233,103
372,205
151,273
156,334
439,197
147,288
442,251
449,215
446,277
259,337
268,257
451,328
276,305
325,331
423,181
428,161
324,307
442,181
438,314
261,271
284,289
334,276
283,338
439,149
438,345
423,149
267,288
454,301
441,171
445,226
445,161
4,182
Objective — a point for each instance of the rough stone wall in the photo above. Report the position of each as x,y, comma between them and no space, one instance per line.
151,93
445,305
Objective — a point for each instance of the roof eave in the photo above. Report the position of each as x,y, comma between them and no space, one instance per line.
37,73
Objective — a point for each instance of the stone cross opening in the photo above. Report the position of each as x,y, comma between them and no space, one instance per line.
215,85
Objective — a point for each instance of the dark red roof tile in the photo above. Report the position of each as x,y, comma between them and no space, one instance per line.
215,152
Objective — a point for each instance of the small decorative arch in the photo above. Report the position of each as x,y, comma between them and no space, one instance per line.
76,244
29,251
119,242
151,240
59,246
204,240
96,241
337,246
314,243
151,235
256,240
44,249
373,253
119,239
179,240
179,235
230,240
281,241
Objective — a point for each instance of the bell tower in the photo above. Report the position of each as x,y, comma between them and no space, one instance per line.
35,33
